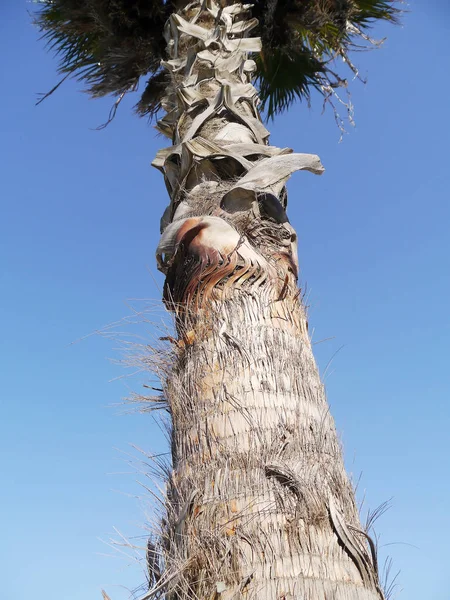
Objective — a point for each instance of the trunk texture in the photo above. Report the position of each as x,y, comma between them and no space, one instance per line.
258,504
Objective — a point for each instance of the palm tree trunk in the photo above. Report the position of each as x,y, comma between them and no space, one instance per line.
259,504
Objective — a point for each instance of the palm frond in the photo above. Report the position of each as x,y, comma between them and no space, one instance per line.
110,45
107,44
315,35
149,103
285,75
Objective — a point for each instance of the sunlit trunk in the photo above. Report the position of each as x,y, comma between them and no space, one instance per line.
258,504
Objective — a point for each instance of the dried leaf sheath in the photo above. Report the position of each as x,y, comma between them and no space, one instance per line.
259,504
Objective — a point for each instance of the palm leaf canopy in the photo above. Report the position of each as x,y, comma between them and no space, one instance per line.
111,44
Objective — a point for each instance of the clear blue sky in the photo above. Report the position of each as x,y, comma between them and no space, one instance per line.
78,232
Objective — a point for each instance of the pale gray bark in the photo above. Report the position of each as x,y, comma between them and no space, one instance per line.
259,504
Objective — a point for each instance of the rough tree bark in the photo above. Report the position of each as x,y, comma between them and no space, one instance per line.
259,504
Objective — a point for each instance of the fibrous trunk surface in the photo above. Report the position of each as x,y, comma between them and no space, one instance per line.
258,504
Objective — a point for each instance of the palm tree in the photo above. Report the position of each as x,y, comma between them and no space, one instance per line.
258,501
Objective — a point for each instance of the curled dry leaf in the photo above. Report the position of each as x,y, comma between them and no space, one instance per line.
210,239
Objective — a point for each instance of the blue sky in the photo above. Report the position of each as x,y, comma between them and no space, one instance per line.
80,224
